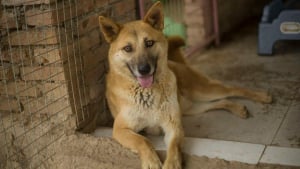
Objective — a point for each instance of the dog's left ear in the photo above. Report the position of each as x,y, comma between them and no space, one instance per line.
155,16
109,28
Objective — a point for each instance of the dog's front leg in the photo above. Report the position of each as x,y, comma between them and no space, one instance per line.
173,138
137,143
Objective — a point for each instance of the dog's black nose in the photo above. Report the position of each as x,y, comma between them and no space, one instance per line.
144,68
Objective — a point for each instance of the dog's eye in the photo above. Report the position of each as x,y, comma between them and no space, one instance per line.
127,48
149,43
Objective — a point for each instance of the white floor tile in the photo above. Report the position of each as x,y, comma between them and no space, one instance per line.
281,155
222,125
228,150
103,132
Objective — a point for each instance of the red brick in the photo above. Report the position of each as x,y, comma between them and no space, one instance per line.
10,105
9,72
54,55
57,13
42,73
25,2
53,91
37,17
20,88
16,55
46,55
43,106
8,20
37,37
51,16
198,21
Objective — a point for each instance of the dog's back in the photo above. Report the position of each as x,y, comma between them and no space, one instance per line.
174,50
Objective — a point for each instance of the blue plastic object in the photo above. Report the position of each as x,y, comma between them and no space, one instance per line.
279,22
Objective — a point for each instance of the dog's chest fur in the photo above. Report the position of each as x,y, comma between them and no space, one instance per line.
155,98
143,97
150,105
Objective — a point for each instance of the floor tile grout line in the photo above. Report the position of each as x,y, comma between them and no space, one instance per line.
285,115
265,146
262,154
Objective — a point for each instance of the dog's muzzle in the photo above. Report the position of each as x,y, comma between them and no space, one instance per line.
143,72
146,76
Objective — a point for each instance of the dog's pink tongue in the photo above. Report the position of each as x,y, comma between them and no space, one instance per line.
145,81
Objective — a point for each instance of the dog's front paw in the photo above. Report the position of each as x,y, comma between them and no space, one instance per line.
173,161
174,164
151,161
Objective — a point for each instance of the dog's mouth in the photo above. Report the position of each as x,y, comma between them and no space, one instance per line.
145,81
144,73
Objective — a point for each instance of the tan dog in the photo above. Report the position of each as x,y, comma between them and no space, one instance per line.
142,87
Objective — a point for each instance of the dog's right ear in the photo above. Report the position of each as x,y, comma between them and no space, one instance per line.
109,28
155,16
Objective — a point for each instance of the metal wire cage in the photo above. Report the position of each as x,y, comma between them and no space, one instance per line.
52,69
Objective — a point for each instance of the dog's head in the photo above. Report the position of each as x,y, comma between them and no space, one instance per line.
137,49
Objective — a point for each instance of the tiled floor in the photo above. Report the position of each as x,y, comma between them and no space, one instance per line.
237,63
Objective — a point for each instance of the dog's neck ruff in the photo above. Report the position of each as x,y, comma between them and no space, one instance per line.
143,96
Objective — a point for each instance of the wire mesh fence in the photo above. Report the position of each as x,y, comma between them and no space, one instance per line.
52,66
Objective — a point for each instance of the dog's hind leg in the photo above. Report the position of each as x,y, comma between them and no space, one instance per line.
197,87
212,91
234,108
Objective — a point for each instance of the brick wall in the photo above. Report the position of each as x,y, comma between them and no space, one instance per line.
53,57
198,21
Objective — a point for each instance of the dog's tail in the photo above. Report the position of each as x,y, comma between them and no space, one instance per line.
174,51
